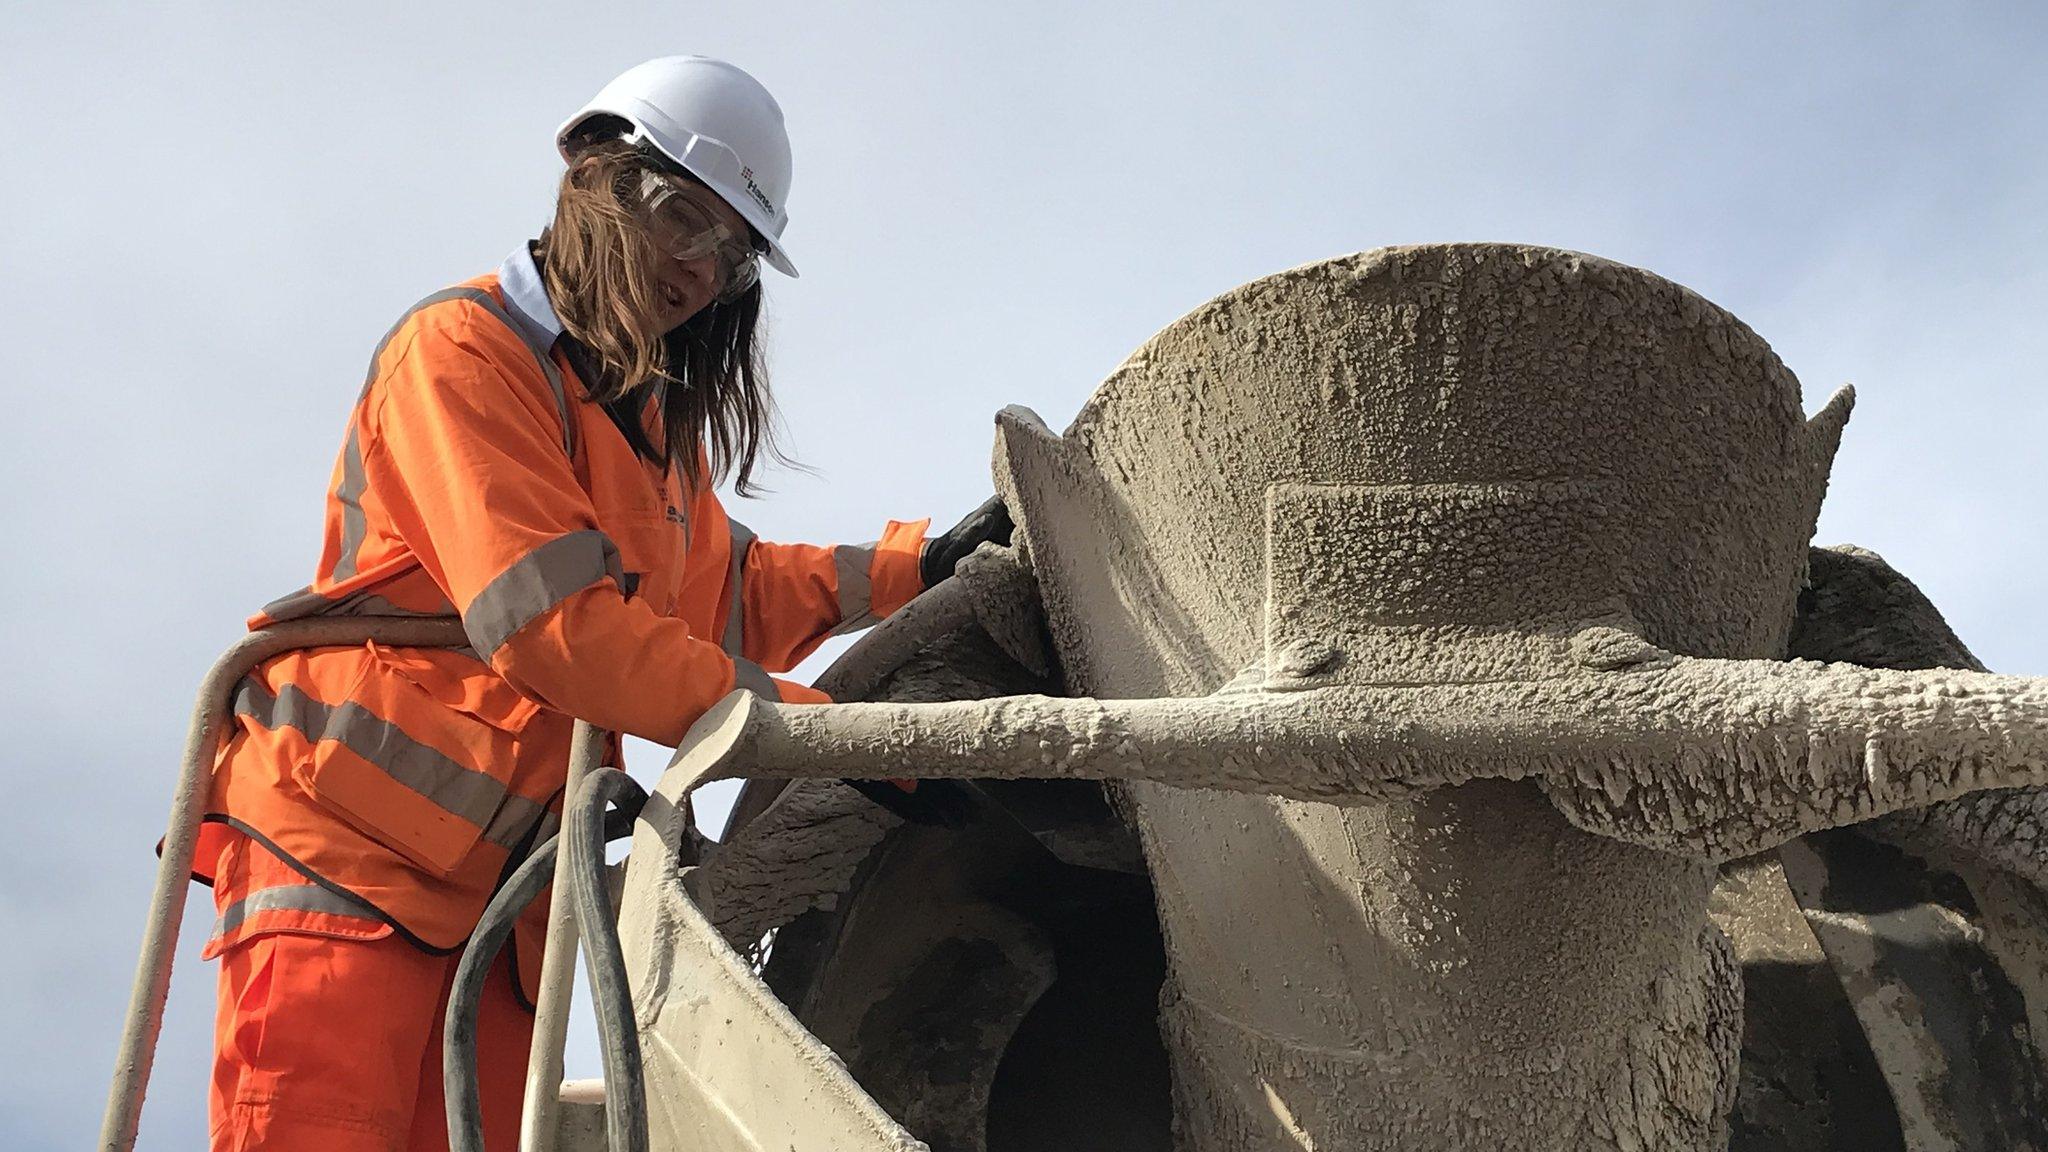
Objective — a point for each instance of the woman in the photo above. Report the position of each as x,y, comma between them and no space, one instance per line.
534,452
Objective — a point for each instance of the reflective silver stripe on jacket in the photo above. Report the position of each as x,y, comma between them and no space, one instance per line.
754,678
465,793
536,582
854,562
290,898
736,583
354,526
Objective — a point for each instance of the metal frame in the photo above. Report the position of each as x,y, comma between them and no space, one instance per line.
540,1110
137,1052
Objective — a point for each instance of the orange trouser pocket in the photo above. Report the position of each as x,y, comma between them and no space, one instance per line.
325,1043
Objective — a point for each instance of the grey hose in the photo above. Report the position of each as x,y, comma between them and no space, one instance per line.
458,1042
458,1054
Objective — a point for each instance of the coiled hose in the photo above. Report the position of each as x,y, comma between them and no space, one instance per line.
587,827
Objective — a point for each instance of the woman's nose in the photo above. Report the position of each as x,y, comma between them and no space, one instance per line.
704,271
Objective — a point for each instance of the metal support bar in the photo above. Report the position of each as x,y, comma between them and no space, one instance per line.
539,1114
137,1051
941,609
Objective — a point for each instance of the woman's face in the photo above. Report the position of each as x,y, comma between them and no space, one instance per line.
684,287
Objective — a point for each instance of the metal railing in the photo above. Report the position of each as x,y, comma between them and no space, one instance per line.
137,1052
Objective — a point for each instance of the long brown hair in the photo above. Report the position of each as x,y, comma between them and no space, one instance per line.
599,267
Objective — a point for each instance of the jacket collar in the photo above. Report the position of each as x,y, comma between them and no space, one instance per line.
526,297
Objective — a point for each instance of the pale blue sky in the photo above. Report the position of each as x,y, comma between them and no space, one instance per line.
212,211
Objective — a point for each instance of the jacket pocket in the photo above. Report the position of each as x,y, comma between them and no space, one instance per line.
651,547
257,895
417,776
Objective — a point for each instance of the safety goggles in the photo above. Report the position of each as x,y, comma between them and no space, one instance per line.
688,229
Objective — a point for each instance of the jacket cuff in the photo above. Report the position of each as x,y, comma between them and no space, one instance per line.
894,575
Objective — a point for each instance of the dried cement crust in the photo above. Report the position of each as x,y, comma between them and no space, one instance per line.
1661,440
1859,609
1510,540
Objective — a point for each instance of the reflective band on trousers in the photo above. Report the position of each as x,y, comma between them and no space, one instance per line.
735,579
290,898
461,792
354,526
856,587
536,582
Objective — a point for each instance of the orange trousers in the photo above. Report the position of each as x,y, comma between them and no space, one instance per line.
325,1043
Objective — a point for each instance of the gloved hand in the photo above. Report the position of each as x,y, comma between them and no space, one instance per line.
990,522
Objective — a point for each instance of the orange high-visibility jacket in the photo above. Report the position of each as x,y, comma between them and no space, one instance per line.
478,480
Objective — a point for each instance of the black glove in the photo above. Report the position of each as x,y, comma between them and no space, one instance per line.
990,522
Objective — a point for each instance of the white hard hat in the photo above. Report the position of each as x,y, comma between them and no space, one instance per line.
715,121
